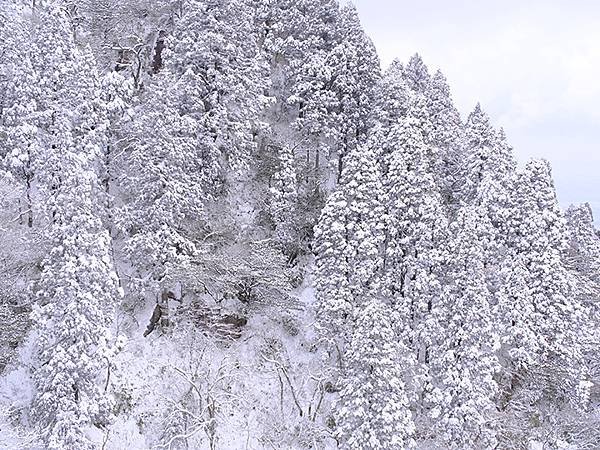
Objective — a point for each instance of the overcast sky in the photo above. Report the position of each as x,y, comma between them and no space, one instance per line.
533,65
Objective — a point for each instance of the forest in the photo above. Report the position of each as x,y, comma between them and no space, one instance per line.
224,226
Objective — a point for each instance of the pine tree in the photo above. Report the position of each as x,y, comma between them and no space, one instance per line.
547,324
348,242
415,224
445,135
335,90
417,75
494,195
464,363
355,85
478,147
117,93
373,409
284,200
292,29
393,95
20,146
78,289
503,159
77,292
166,178
214,56
583,249
332,267
53,56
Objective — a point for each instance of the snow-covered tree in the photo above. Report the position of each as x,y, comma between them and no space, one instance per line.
415,225
77,293
417,74
295,36
373,409
284,199
117,93
348,242
332,267
464,361
354,82
77,289
583,249
166,176
19,143
292,29
392,95
545,326
335,90
194,132
484,153
445,134
214,57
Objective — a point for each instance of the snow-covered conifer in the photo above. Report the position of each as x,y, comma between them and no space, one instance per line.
336,88
393,95
464,362
166,177
332,266
478,145
77,293
445,134
214,50
583,249
284,198
417,74
547,328
20,146
348,241
415,225
373,409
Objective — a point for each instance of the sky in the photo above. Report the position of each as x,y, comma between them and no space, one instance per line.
533,65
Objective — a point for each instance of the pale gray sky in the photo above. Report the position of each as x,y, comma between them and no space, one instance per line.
533,65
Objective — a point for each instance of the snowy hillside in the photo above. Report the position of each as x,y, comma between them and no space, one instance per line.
224,226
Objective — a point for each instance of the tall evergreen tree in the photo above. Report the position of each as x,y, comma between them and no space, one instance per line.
214,56
284,200
583,245
355,85
479,142
417,74
332,266
165,178
445,135
393,95
348,242
545,324
194,132
414,228
464,363
77,292
20,145
78,289
337,89
373,410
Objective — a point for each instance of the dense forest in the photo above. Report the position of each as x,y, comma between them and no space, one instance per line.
224,226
